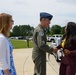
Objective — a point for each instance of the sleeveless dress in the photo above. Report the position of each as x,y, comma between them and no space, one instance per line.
12,68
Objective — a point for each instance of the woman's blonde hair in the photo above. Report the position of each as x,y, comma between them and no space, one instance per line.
4,23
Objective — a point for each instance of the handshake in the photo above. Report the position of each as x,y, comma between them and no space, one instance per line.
66,51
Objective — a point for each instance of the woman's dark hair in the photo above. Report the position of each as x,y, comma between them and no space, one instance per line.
70,34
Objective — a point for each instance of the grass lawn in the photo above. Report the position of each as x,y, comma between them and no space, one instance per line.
21,44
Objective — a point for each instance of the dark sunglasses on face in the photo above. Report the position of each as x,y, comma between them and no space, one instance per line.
12,20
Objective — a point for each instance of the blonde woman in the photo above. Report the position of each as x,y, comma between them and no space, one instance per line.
6,57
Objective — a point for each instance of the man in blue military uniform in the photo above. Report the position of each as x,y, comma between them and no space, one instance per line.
40,46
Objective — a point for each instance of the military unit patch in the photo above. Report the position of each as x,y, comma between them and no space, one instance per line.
41,33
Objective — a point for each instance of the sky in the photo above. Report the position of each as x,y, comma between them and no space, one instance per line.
28,11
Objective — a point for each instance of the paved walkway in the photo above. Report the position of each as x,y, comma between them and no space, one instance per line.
24,65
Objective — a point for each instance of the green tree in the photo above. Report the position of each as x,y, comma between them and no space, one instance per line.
22,30
56,29
63,30
16,31
26,30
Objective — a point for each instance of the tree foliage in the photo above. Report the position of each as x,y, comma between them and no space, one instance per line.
27,30
22,30
55,29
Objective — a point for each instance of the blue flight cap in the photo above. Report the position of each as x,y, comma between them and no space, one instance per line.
46,15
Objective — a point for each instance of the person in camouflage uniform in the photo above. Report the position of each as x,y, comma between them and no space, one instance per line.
40,46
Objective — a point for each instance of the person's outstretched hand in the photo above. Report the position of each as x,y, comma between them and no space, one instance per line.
55,50
66,52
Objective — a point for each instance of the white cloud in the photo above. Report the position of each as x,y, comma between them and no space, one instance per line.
27,11
68,1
